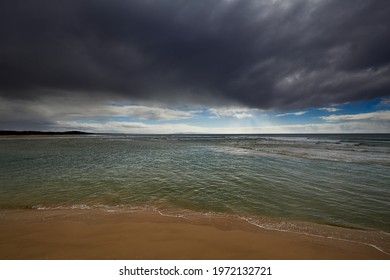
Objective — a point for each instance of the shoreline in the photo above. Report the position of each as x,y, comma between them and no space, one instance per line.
146,235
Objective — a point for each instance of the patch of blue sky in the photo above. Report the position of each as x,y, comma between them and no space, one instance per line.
297,117
313,115
358,107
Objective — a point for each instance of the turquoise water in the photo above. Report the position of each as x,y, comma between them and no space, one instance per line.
341,180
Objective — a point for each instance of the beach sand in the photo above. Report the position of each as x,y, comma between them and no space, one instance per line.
96,234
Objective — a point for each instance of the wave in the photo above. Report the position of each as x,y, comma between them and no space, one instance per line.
311,148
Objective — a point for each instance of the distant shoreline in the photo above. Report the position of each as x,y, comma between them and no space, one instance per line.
77,132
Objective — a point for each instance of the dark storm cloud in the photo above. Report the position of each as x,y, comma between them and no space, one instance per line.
264,54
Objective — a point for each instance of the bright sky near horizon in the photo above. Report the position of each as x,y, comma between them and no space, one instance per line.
256,66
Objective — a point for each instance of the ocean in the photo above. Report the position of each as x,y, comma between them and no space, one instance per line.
282,182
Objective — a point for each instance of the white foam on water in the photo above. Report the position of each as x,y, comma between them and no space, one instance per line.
266,223
282,228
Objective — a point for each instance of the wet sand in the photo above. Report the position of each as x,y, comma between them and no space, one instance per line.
94,234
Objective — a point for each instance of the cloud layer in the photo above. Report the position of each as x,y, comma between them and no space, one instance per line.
374,116
285,55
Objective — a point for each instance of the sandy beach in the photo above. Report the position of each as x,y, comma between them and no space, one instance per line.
94,234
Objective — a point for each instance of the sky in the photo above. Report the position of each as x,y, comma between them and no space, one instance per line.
205,66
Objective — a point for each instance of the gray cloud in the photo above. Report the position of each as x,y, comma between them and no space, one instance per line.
261,54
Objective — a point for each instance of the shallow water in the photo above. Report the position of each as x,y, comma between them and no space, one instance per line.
341,180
